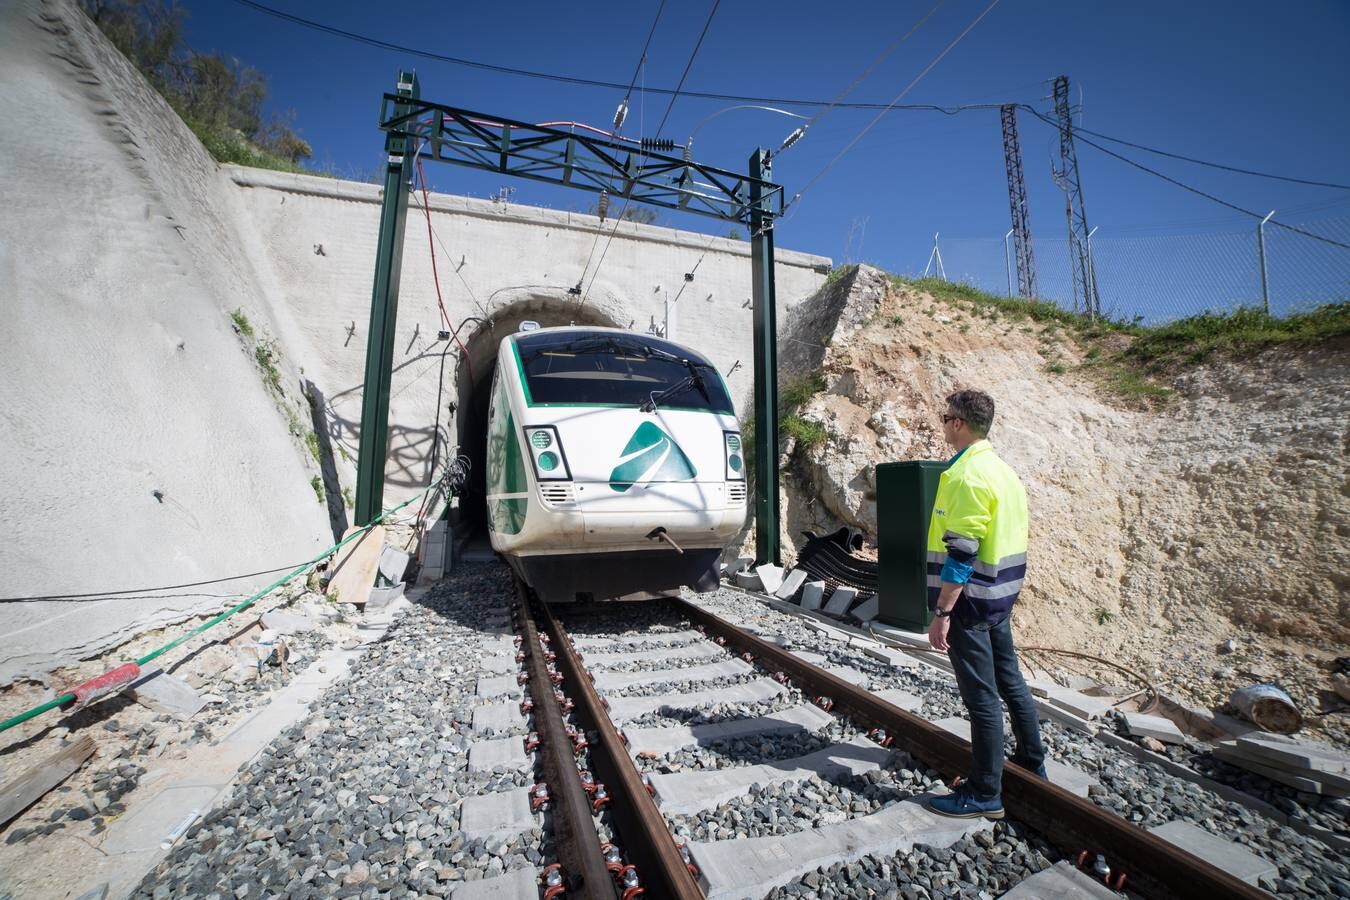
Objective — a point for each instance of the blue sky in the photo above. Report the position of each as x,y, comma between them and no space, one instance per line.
1235,82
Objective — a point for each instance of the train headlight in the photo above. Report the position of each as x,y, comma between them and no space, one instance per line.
550,463
735,453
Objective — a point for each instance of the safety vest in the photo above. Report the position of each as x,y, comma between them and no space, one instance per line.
980,518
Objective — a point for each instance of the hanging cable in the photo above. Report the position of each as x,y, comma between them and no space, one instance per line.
1054,123
445,316
898,97
1078,129
627,195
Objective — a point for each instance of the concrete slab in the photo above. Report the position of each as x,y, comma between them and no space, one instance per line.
813,592
498,717
804,718
704,650
903,699
1060,882
1232,858
808,656
1156,727
486,755
503,814
754,866
1286,752
867,610
791,584
770,576
157,824
613,681
168,694
1073,780
498,686
393,564
892,657
518,884
847,673
381,597
636,641
748,581
1077,704
622,709
839,601
283,622
500,663
1305,780
689,792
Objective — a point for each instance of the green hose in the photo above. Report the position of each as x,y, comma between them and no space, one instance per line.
66,698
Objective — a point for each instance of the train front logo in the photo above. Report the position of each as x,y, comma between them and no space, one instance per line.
651,455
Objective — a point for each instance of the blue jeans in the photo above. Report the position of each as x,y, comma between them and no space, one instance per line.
985,662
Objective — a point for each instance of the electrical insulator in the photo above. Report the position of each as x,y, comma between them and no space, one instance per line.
604,205
793,138
657,145
620,114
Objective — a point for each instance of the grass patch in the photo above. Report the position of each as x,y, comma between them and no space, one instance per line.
1104,615
312,442
267,357
1194,339
241,323
1056,368
317,483
228,145
1013,307
806,433
838,273
797,392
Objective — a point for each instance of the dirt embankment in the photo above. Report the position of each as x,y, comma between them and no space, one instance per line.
1157,536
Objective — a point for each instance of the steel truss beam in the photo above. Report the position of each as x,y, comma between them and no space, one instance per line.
574,158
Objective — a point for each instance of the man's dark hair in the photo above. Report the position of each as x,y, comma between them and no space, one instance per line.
976,407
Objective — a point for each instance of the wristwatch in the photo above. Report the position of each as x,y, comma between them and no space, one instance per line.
942,613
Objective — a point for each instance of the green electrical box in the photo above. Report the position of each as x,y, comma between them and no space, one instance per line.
905,495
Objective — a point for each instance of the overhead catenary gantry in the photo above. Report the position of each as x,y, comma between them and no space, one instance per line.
575,156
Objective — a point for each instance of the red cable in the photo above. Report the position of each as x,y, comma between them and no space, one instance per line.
435,277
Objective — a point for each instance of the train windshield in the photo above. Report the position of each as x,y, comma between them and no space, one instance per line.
617,369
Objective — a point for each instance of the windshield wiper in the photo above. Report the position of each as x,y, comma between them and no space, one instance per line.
695,377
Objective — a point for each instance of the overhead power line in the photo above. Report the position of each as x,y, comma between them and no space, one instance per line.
655,137
1186,187
587,82
909,87
1078,129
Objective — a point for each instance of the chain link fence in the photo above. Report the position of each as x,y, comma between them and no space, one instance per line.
1161,277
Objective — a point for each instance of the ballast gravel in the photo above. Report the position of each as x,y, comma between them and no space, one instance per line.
362,797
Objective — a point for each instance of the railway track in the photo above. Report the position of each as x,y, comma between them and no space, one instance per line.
1076,827
417,776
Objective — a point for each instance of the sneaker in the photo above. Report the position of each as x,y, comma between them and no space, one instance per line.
962,804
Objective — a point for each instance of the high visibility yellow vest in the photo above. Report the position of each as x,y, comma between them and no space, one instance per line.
980,518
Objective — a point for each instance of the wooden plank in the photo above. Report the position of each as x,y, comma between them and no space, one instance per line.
25,790
355,567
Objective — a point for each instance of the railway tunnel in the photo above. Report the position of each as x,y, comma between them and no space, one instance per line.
550,307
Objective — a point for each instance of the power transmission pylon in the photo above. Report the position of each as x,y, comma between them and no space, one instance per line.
1084,278
1017,204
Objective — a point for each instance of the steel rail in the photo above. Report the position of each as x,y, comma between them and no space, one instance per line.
574,835
1155,867
647,840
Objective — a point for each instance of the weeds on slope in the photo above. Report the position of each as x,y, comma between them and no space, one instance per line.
1129,360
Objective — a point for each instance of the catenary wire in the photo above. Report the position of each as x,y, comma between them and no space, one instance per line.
627,197
1078,129
583,82
1186,187
637,70
909,87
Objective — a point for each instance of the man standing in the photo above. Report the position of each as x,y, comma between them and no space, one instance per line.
977,558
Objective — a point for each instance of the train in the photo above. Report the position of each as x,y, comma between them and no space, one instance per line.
615,464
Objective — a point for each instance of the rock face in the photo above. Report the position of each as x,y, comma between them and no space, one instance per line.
1156,537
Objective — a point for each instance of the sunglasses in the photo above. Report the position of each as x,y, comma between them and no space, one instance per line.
946,419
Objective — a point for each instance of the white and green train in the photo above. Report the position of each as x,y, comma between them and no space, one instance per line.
614,463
